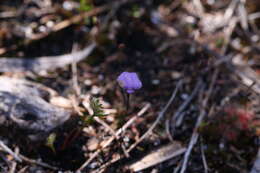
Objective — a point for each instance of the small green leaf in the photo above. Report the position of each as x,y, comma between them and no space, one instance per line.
96,107
50,141
220,42
85,5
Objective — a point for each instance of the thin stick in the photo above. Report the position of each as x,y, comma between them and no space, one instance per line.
177,168
230,10
206,168
9,151
180,110
14,164
104,124
104,166
187,101
254,16
20,157
26,159
75,72
23,169
37,64
199,7
68,22
112,138
195,133
167,129
159,117
243,15
192,142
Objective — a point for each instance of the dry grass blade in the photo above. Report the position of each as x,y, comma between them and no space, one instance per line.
192,142
31,161
112,138
206,168
160,116
61,25
202,114
37,64
180,110
160,155
111,130
243,15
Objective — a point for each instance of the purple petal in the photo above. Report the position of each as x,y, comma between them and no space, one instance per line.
129,81
130,91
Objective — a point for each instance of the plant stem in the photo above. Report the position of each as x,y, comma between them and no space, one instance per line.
127,102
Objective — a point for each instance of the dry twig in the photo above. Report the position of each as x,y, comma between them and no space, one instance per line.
23,169
180,110
202,114
43,63
14,164
158,119
9,151
31,161
206,168
112,138
61,25
104,124
160,116
160,155
75,73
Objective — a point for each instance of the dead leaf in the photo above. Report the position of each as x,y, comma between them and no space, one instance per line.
160,155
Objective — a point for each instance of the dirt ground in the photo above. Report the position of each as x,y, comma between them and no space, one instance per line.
197,110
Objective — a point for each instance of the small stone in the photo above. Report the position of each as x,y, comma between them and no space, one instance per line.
155,82
93,144
184,96
95,90
175,75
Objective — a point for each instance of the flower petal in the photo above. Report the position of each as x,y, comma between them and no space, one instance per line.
129,81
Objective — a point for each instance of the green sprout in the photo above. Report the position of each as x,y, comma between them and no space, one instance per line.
220,42
97,108
85,5
136,12
85,120
50,141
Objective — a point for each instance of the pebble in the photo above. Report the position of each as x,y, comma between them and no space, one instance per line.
184,96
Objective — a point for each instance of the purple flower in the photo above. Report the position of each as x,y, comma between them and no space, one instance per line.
129,81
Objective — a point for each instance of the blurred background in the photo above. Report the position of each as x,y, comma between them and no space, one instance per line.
210,48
